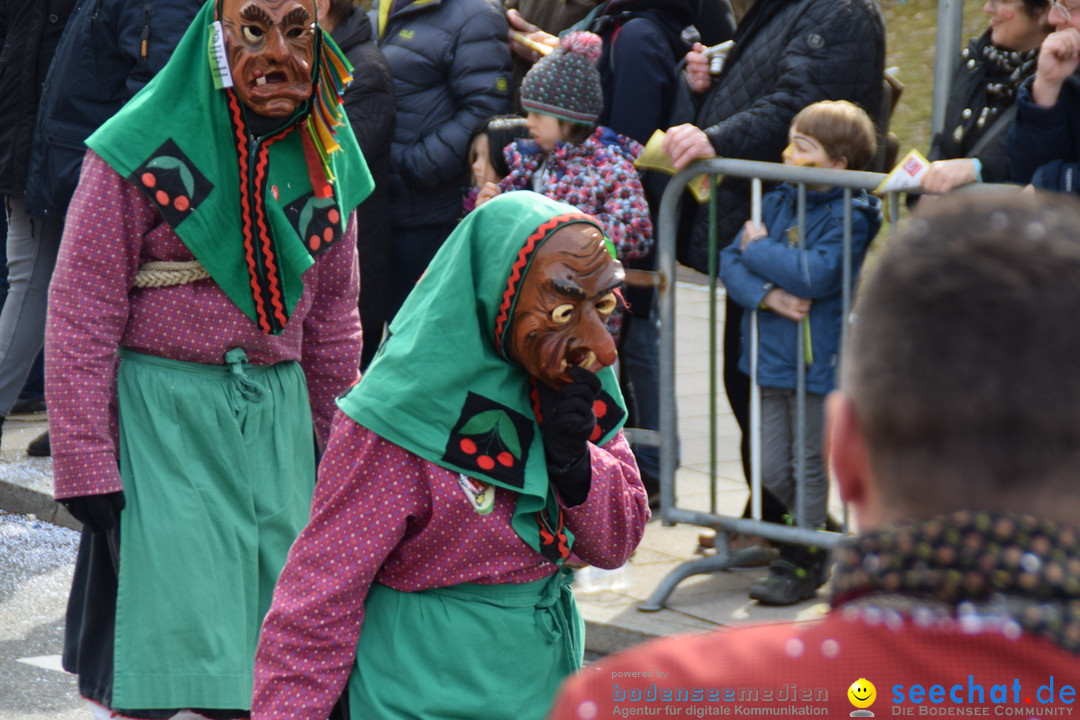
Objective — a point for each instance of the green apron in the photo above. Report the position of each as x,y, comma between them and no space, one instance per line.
218,468
467,651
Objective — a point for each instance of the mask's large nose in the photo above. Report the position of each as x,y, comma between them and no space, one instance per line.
596,338
277,47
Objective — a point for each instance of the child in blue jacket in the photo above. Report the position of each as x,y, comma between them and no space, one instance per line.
765,269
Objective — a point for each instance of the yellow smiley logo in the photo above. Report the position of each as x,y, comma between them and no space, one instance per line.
862,693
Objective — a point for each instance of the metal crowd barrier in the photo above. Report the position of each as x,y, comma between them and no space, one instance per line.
670,513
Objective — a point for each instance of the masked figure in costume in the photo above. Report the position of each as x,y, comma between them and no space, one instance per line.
481,448
202,319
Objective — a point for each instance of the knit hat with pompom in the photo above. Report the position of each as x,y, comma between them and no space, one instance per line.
566,83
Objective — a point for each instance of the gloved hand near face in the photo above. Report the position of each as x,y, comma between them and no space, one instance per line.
568,423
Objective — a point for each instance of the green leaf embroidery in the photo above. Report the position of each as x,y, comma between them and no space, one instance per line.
305,217
508,435
483,423
187,179
498,421
164,162
309,208
167,162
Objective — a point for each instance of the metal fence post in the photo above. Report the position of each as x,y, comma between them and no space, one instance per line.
670,513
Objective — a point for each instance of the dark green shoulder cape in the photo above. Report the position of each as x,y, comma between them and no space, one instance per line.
442,385
254,212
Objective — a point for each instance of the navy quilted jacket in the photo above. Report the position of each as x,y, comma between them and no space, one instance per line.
109,50
788,54
451,68
29,33
639,61
1041,135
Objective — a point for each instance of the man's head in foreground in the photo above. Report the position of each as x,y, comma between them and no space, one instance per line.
960,386
956,436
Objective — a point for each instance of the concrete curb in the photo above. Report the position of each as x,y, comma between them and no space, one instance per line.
25,501
603,639
26,482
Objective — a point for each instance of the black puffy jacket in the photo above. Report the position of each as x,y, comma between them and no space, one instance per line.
111,48
788,54
30,31
369,99
369,103
451,67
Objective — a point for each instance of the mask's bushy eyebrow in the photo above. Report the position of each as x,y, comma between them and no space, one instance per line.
568,289
299,16
255,13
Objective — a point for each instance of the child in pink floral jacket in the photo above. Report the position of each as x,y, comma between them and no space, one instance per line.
571,159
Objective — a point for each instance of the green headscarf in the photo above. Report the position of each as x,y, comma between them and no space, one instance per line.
443,386
254,214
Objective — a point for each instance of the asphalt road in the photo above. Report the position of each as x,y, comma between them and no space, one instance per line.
36,561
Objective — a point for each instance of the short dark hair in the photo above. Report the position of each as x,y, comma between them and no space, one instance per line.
962,364
340,10
843,129
576,133
501,130
1034,7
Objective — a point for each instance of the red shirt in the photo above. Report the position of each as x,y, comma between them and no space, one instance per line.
979,666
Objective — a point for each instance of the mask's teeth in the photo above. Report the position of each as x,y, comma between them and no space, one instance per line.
588,361
563,365
260,81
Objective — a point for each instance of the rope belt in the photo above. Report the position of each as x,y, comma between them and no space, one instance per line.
166,274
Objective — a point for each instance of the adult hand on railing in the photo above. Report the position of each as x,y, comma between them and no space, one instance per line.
697,72
1059,56
786,305
532,34
752,233
686,143
946,175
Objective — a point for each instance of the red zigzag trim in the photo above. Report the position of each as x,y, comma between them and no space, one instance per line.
245,213
272,275
517,272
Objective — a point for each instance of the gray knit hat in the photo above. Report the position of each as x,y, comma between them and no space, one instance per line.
566,83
